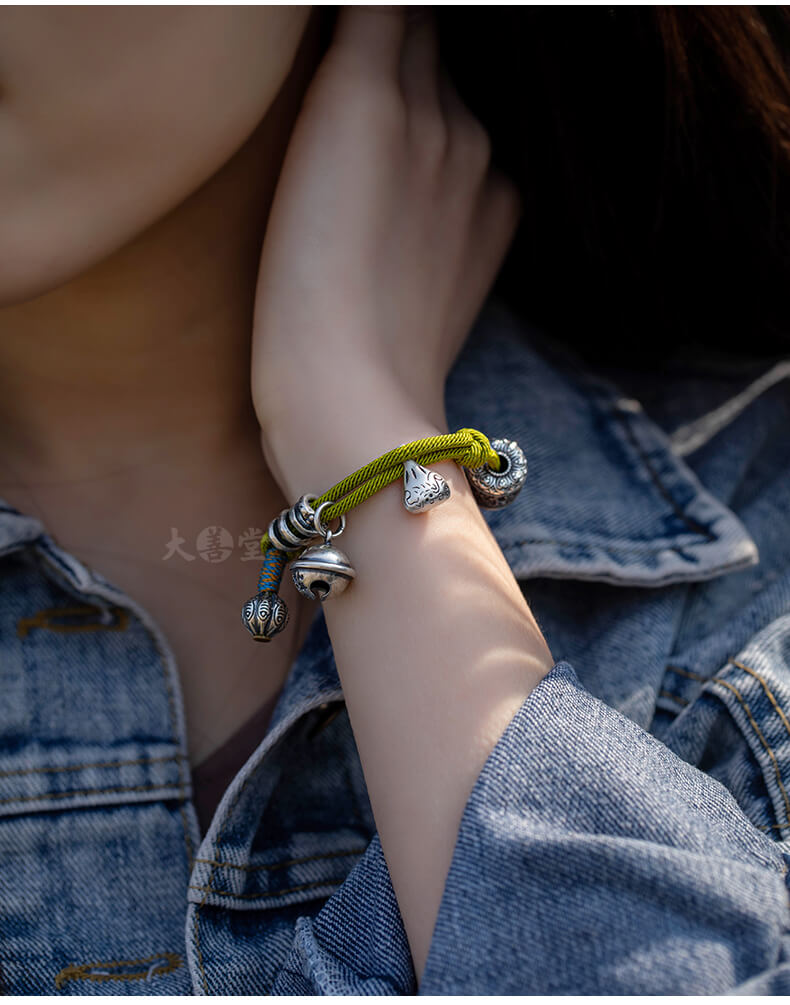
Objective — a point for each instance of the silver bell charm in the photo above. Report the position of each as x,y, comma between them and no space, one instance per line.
495,489
323,571
264,615
422,487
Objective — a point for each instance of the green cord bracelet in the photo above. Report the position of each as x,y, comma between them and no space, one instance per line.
323,571
468,447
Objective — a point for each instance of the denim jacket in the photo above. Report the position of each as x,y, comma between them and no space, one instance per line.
626,835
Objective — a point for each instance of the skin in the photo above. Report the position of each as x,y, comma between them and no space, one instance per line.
126,300
373,267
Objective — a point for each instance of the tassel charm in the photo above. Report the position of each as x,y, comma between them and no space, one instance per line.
266,614
422,487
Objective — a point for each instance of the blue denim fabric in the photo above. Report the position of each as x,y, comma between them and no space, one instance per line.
625,836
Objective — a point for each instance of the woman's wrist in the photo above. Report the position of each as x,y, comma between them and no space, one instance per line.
337,430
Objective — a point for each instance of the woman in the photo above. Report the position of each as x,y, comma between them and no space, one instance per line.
492,824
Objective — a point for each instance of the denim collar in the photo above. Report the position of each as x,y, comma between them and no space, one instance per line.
606,498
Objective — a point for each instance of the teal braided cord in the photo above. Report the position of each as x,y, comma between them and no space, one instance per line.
272,570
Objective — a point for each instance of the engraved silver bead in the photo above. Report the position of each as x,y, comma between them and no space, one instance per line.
264,615
495,489
422,487
322,572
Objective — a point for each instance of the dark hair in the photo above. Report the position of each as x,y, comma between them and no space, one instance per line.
652,146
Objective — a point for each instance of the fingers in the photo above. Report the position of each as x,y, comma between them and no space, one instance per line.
371,38
419,68
497,216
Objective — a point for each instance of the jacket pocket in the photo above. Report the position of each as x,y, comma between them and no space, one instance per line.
735,725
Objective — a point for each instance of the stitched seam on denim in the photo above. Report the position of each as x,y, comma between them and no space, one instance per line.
768,692
27,622
758,731
44,555
690,522
83,792
75,972
668,694
687,673
207,888
270,893
199,907
281,865
174,737
95,764
323,723
698,677
780,713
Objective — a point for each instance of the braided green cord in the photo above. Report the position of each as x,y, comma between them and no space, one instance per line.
468,447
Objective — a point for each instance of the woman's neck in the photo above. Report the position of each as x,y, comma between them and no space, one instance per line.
144,358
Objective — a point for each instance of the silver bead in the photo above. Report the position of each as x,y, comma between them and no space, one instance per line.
293,527
322,572
422,487
264,615
495,489
303,516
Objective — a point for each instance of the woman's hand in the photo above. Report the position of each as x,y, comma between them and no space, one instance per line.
387,230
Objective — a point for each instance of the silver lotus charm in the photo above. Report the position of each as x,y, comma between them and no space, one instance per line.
322,572
265,615
495,489
422,487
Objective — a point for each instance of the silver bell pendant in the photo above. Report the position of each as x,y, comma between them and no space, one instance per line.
323,571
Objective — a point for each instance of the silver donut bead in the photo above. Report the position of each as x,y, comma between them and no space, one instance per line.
495,489
264,615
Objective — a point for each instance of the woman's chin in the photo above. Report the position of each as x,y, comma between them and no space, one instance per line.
23,279
34,260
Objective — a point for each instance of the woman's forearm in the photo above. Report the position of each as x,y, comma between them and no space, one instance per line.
435,646
389,225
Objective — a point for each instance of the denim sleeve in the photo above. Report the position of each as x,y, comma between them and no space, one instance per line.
590,859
